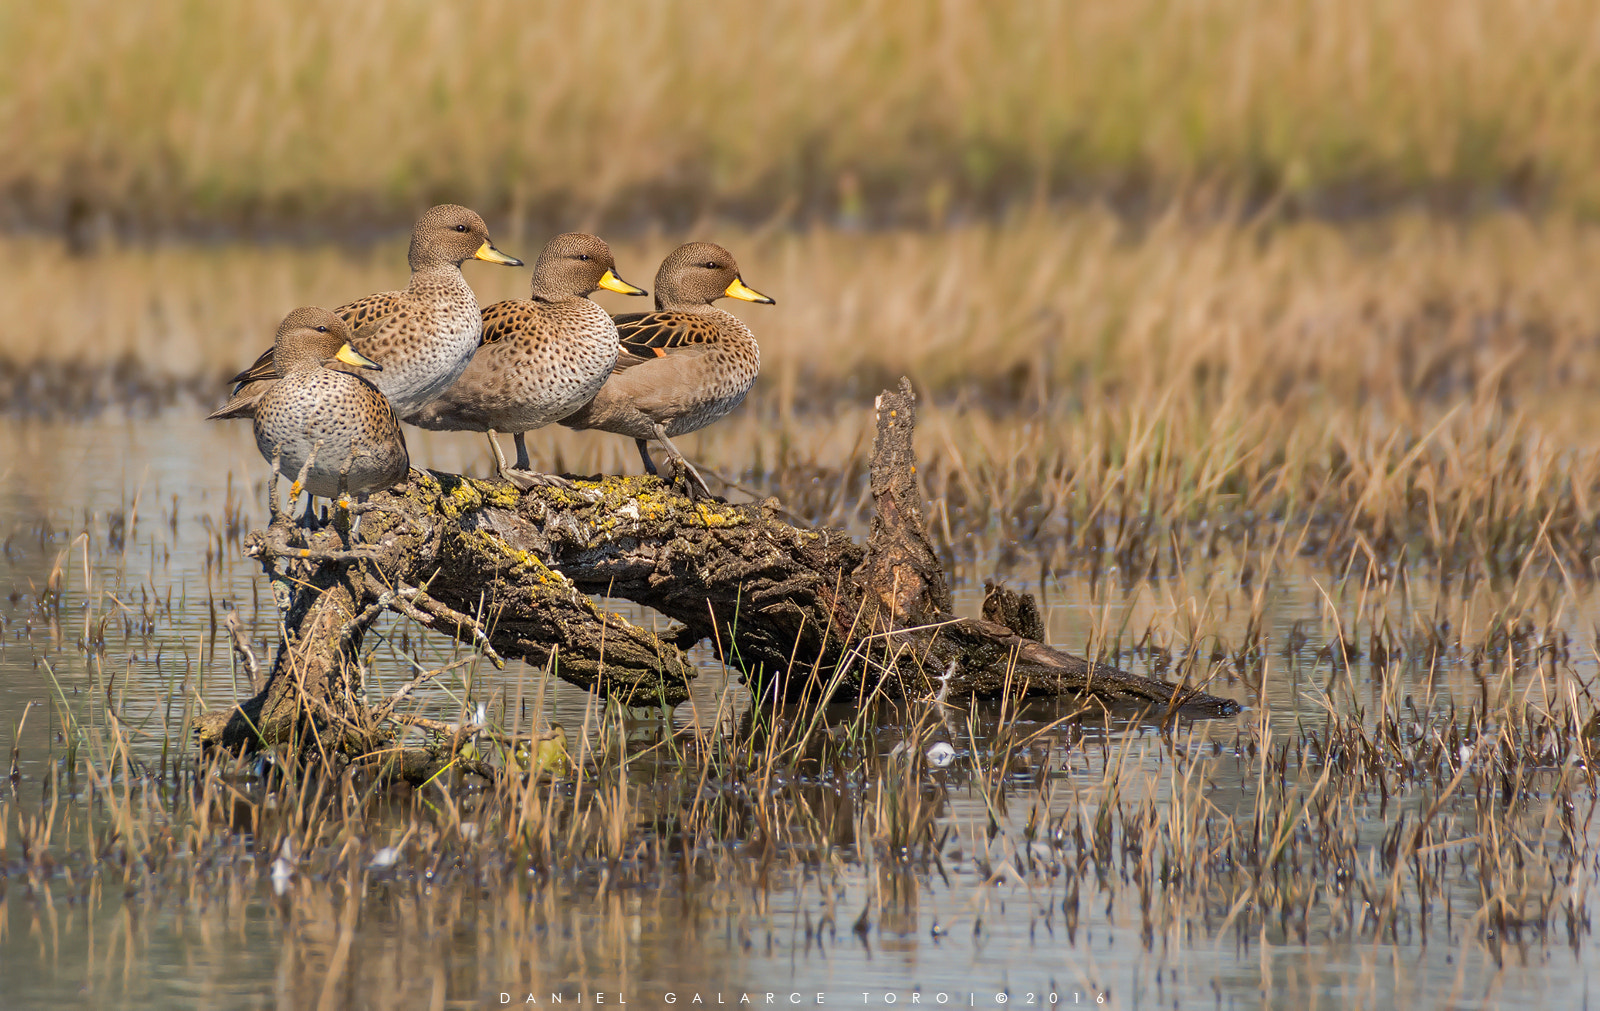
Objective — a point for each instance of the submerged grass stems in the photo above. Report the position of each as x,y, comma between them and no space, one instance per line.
1455,826
1416,769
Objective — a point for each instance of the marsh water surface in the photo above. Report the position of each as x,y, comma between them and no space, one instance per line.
138,526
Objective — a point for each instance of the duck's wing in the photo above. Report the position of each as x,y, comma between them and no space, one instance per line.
261,370
387,411
366,314
242,405
649,335
506,319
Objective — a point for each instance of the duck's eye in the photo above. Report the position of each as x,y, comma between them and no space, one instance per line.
461,228
322,329
711,264
583,256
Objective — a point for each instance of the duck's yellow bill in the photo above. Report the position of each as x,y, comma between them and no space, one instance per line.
350,356
493,255
611,282
738,289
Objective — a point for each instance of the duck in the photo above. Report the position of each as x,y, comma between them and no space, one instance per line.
331,429
683,366
543,357
425,335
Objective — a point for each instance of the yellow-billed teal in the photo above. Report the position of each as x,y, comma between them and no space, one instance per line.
542,357
683,366
310,403
423,336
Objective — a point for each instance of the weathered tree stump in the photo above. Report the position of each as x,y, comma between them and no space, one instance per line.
803,613
1016,611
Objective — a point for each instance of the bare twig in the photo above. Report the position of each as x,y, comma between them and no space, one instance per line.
241,648
469,730
300,479
422,678
414,603
276,545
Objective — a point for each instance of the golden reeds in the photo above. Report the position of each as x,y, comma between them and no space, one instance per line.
1404,381
1436,797
1391,318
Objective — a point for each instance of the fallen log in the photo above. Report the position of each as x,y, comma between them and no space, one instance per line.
804,614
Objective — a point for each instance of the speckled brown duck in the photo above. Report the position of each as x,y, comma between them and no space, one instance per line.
683,366
312,403
424,335
542,358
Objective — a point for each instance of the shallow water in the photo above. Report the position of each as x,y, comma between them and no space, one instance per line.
142,523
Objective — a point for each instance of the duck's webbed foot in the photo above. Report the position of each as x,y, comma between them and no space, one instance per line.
526,479
523,475
310,519
694,485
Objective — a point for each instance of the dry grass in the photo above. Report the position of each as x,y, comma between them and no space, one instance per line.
1398,316
183,114
1446,822
1408,382
1415,776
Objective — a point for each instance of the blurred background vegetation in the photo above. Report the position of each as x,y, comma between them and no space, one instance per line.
1172,256
299,115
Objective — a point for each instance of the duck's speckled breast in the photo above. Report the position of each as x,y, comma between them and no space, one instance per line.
428,349
355,434
730,368
564,365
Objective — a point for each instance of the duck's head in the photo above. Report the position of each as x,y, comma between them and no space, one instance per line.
575,264
311,337
699,273
452,234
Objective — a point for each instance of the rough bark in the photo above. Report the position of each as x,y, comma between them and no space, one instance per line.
804,613
1016,611
427,549
901,569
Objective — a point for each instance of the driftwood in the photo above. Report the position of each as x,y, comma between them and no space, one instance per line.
804,613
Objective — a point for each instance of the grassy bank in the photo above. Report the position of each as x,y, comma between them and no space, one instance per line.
1392,317
1405,383
192,115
